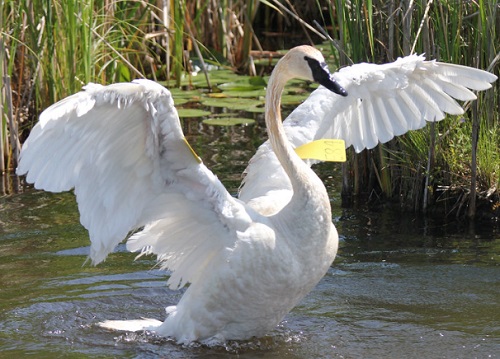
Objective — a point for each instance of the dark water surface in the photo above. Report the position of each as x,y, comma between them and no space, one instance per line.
401,287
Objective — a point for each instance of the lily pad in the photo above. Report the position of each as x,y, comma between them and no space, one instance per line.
266,61
293,99
297,90
246,84
240,104
216,95
180,101
216,77
179,93
222,76
256,109
229,121
260,93
192,112
197,80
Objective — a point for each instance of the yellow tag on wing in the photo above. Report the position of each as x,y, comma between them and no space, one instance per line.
323,150
196,157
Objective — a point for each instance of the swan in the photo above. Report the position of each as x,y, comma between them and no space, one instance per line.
249,260
122,149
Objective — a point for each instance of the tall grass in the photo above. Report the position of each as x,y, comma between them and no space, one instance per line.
50,49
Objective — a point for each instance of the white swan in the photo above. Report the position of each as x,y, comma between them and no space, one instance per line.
121,147
249,261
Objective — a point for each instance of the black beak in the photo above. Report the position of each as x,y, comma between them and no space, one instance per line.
322,76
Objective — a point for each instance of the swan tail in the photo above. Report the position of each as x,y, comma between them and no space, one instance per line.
135,325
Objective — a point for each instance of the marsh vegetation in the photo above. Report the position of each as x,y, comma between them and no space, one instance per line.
50,49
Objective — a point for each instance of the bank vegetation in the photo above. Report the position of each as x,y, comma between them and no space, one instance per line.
49,49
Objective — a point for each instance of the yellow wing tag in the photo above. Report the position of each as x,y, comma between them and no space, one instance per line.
323,150
196,157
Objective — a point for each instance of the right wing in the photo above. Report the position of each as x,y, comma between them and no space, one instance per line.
383,101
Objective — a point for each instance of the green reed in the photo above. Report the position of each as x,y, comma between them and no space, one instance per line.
51,48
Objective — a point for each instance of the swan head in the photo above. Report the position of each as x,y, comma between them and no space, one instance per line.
308,63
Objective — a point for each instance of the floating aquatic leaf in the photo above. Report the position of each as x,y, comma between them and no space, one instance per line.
192,112
260,93
216,95
242,104
222,76
256,109
197,80
292,99
216,77
297,90
228,121
179,93
266,61
246,84
180,101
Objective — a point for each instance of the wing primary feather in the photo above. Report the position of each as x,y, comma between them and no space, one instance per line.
443,101
414,121
423,100
370,129
456,90
469,77
385,131
356,129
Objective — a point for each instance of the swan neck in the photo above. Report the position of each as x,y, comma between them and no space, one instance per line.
309,203
276,131
301,176
273,112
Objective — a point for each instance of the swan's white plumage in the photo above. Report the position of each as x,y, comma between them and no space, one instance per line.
250,260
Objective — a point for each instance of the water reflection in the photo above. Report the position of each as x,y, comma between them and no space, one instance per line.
392,236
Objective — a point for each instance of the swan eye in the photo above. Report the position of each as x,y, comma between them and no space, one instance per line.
315,65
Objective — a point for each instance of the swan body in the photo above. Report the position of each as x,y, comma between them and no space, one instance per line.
249,260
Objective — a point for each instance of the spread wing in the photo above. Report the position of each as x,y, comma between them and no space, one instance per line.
122,149
384,101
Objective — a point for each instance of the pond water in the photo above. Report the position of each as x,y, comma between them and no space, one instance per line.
402,286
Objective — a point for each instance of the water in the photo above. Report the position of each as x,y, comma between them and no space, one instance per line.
401,287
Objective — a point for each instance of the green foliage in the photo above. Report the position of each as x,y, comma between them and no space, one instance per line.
457,150
50,49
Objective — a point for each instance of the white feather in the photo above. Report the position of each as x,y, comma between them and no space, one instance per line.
120,175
